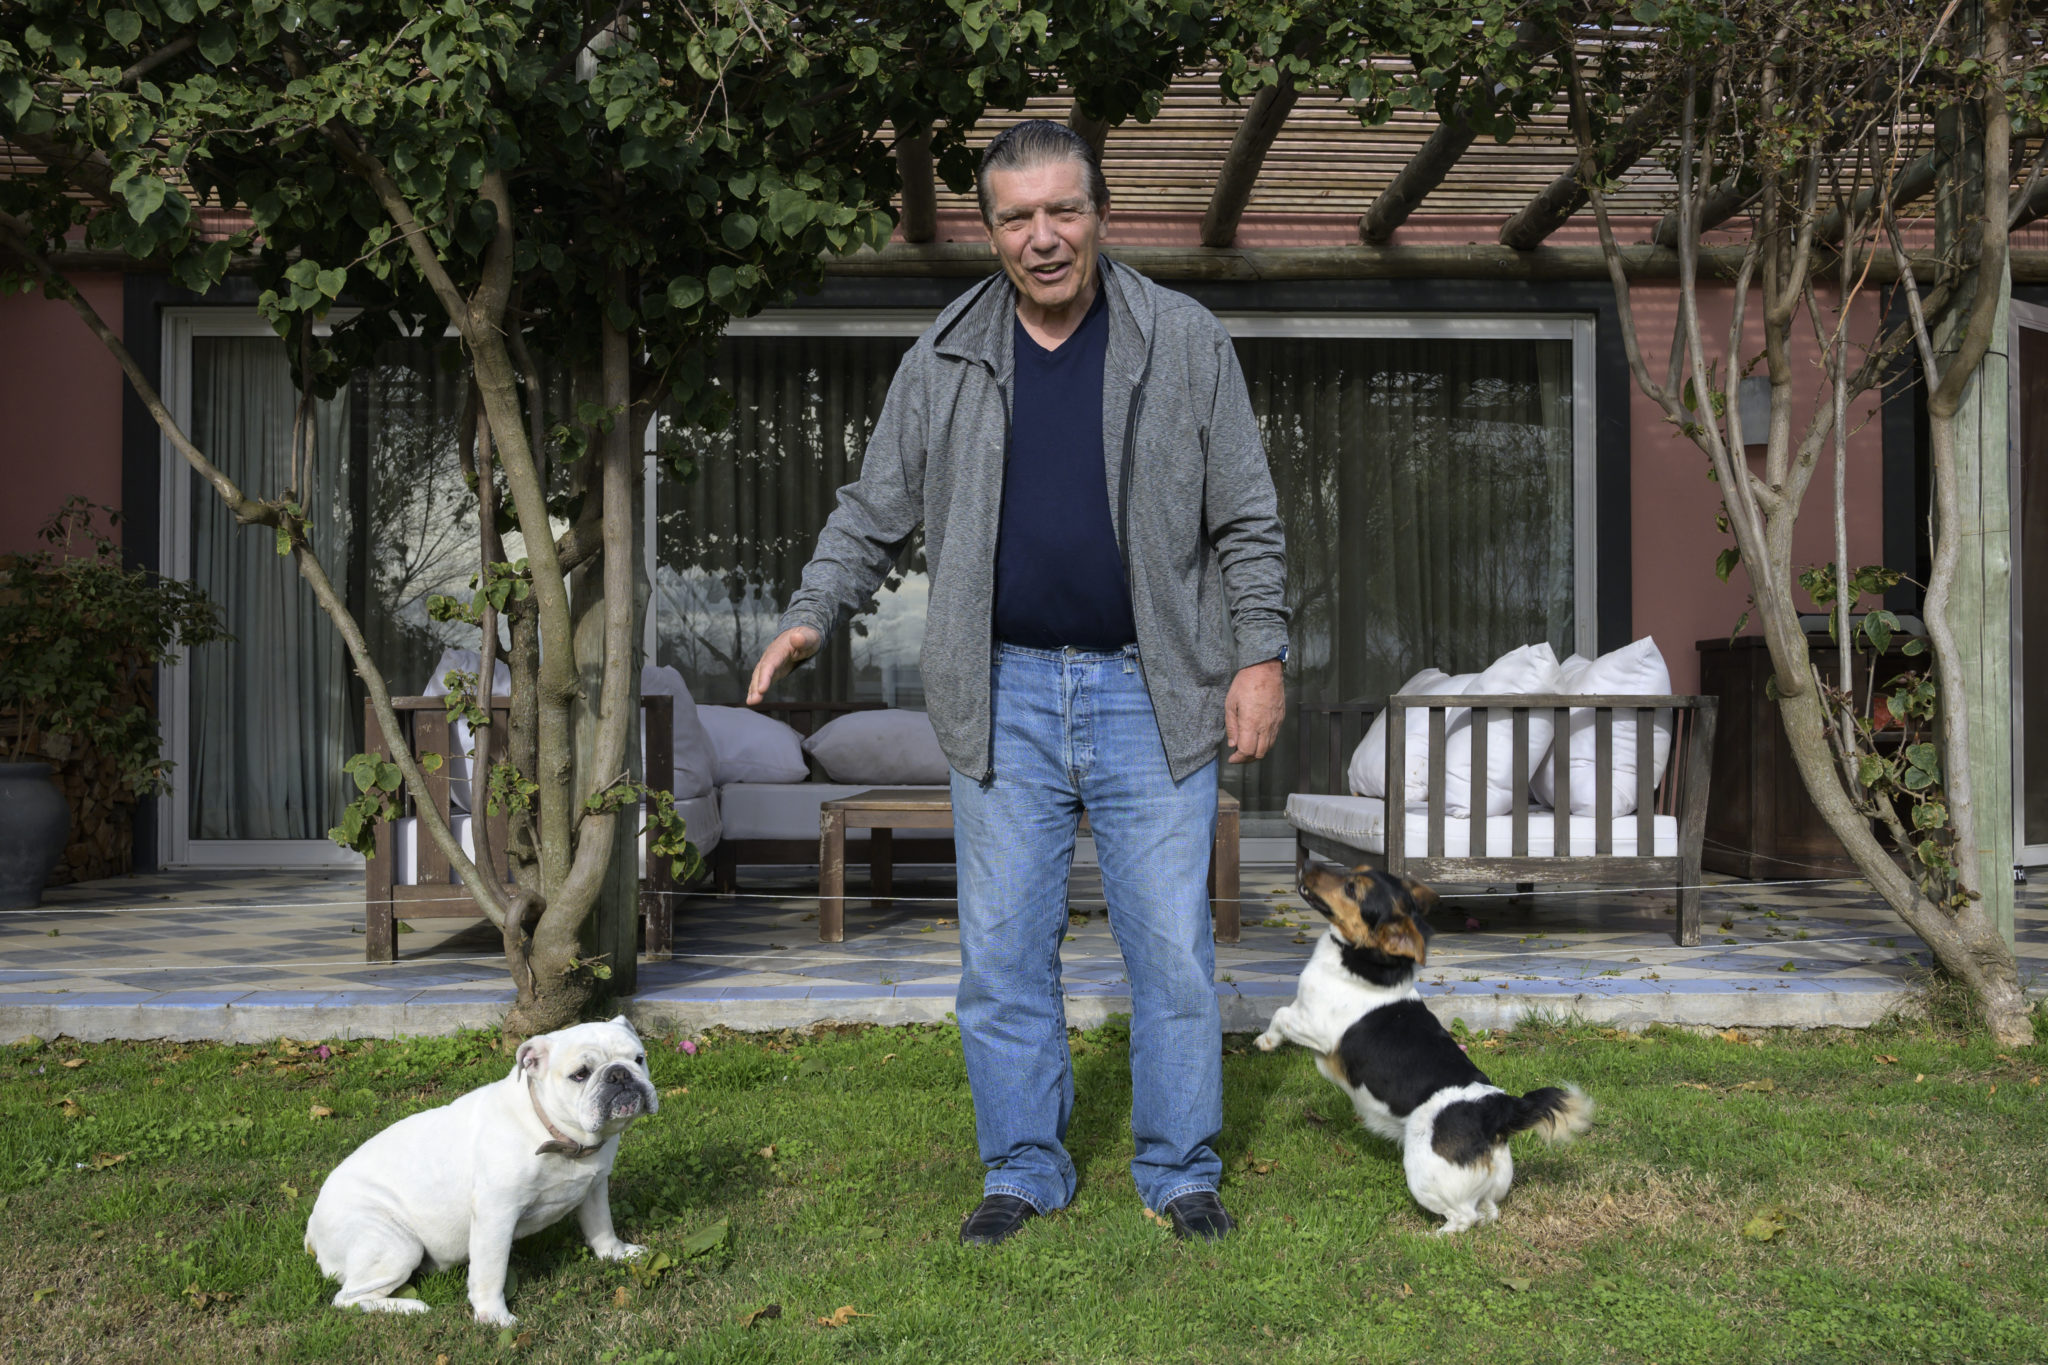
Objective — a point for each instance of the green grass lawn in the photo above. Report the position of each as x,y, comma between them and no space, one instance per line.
155,1199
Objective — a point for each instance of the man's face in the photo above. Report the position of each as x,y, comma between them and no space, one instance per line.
1046,232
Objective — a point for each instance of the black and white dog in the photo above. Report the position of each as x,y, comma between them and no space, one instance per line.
1357,1009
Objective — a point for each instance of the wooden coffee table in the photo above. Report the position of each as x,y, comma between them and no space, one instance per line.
885,810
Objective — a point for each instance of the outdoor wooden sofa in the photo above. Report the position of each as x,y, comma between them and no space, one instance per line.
430,892
1658,845
922,811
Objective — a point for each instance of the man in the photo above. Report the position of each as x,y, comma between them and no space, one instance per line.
1106,611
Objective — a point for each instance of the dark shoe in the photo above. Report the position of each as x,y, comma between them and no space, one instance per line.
1000,1217
1199,1214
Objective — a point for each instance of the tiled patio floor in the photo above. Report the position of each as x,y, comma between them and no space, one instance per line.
257,955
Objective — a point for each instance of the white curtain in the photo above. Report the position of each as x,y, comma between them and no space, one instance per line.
271,710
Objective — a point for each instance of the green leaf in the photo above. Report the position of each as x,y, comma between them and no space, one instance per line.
684,291
217,42
707,1240
144,195
284,541
123,26
1725,562
739,230
330,282
721,279
15,94
1930,815
1871,769
1924,757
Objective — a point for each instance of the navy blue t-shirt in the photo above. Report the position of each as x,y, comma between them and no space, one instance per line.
1059,578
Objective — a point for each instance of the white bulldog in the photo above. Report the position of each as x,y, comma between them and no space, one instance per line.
461,1182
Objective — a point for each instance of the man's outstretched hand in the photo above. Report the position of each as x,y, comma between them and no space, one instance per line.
785,652
1253,711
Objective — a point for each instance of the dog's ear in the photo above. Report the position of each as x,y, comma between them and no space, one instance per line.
1426,900
627,1024
533,1056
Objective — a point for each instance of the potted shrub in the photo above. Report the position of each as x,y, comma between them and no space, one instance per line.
80,639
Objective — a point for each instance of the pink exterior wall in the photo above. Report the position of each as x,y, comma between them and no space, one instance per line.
1673,504
60,409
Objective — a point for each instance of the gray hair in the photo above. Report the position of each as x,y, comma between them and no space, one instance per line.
1034,142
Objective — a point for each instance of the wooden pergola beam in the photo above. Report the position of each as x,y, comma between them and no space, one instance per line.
1414,181
1565,196
1093,131
1723,202
1914,182
920,198
1426,170
971,260
2027,206
1248,147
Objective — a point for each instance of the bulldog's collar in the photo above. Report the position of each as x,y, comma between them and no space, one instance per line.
561,1143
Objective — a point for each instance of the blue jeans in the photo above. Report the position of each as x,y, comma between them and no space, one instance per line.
1074,731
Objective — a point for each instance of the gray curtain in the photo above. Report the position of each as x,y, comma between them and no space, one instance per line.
1426,488
733,540
271,711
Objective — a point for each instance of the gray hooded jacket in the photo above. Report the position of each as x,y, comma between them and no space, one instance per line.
1189,493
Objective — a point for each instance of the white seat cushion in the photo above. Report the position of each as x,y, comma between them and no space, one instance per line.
751,747
695,765
789,810
1360,822
881,748
1636,670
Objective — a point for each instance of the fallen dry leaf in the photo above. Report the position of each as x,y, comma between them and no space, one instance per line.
74,1064
841,1316
1766,1225
1693,1085
321,1111
1159,1218
71,1107
1730,1035
103,1160
1919,1078
1313,1117
767,1153
762,1314
1516,1283
2002,1057
2035,1081
1886,1059
441,1360
37,1296
1765,1085
674,1091
1405,1292
289,1191
1994,1087
523,1340
619,1297
1258,1167
888,1057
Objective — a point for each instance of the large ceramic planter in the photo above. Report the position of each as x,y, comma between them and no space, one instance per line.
35,822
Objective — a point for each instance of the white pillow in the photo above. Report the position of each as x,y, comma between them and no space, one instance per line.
696,767
1368,770
881,748
1636,670
459,739
1519,672
750,747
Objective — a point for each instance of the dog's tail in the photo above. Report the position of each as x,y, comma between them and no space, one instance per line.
1554,1113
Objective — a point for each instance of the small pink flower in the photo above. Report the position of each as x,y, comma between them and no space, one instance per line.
1471,924
323,1052
687,1046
